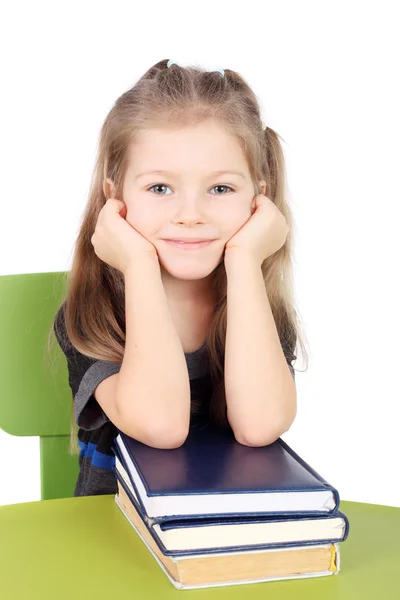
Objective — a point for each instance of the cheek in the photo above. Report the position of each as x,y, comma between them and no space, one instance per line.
142,218
234,221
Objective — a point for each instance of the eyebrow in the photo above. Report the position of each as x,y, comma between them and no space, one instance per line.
171,174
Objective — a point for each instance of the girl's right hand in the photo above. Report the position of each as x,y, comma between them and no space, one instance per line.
115,241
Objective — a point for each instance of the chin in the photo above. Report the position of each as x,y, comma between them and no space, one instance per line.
190,270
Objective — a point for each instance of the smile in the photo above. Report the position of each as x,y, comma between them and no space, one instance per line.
187,245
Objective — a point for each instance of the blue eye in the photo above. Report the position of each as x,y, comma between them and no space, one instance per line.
163,185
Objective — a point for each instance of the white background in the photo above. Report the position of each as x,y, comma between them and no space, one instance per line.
326,77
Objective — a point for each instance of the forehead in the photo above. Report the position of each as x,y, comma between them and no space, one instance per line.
205,147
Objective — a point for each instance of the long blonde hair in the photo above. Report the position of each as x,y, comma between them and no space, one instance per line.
94,301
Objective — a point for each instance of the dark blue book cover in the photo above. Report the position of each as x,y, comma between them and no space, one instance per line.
212,474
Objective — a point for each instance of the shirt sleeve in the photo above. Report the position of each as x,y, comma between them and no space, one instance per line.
84,375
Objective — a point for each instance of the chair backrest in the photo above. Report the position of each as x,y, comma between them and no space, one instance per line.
35,397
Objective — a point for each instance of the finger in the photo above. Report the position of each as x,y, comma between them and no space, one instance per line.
118,206
115,203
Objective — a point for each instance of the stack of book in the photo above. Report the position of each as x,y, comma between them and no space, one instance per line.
215,512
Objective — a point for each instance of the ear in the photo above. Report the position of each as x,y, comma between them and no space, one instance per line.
108,188
263,186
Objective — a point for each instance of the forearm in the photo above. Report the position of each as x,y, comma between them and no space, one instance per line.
260,390
153,388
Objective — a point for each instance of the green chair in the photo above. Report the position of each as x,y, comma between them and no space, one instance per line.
35,397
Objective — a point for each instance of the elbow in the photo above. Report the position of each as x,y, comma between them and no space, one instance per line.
164,438
168,441
255,439
162,432
253,436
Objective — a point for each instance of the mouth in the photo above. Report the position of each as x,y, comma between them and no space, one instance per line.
188,245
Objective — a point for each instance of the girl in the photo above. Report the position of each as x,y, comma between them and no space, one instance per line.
157,331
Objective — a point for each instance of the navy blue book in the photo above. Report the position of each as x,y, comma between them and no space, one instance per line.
219,535
213,475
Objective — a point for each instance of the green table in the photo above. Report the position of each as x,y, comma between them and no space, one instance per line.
82,548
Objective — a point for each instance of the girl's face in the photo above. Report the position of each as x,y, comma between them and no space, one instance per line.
187,199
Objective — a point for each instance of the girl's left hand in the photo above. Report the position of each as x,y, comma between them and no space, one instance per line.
262,234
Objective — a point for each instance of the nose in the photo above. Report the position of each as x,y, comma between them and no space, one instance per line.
190,210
